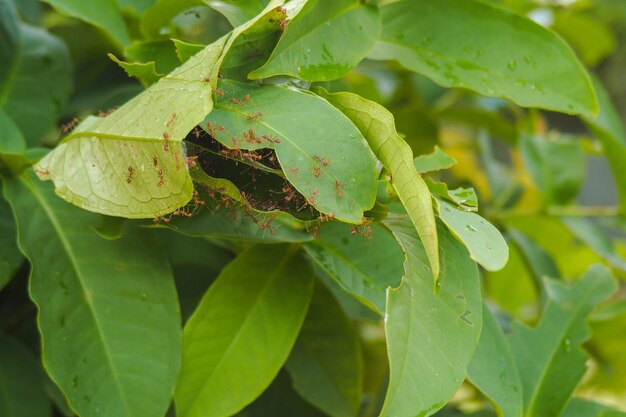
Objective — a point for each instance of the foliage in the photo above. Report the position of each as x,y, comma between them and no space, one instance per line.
341,208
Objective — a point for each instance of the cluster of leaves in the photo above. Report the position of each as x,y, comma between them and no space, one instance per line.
289,252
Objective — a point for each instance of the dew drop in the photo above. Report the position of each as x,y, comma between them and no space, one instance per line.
470,228
512,65
144,296
567,345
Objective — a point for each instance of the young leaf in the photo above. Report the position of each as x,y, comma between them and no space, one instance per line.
326,361
36,75
493,370
243,331
484,242
377,125
549,357
465,198
435,161
327,161
108,313
431,337
10,256
325,40
525,62
609,130
21,379
102,13
365,267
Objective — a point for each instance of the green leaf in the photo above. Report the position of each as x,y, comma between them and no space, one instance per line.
162,53
435,161
12,146
104,14
465,198
185,50
196,263
431,337
493,371
513,288
491,51
484,242
131,163
557,166
9,43
21,380
253,47
237,12
10,256
579,407
596,238
36,79
242,332
144,71
325,40
548,357
326,363
538,261
365,267
609,130
161,13
328,161
377,125
108,313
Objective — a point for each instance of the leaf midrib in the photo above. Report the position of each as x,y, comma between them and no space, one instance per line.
75,264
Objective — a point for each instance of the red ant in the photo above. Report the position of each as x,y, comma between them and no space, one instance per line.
70,126
161,178
257,116
171,122
339,190
129,176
